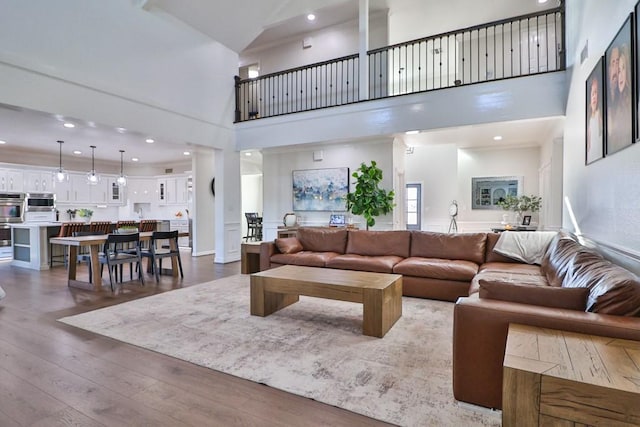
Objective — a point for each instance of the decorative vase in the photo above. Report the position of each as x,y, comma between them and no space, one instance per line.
289,219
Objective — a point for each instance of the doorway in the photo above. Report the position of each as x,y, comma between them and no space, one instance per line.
414,206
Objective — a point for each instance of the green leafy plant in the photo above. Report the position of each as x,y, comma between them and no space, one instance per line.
521,204
84,213
368,199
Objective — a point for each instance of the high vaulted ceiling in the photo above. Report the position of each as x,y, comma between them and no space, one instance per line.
238,24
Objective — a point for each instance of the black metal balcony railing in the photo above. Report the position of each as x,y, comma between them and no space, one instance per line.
515,47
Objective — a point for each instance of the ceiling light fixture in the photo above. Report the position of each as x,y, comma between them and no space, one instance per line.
61,174
247,154
542,1
497,138
149,140
135,159
92,177
77,152
311,17
69,125
2,142
122,180
412,132
186,153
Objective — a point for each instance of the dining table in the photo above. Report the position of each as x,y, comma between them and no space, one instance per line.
95,243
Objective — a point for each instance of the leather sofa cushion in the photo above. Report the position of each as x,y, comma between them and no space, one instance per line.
436,268
376,264
288,245
318,239
490,255
613,289
309,259
376,243
528,278
558,257
545,296
463,246
510,267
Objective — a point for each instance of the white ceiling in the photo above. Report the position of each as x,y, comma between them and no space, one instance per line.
262,23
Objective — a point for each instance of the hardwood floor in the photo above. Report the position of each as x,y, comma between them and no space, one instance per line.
52,374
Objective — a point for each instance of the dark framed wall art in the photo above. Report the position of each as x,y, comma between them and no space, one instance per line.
594,109
637,71
619,69
320,189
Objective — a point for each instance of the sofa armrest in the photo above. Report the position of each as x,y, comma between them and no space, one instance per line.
267,249
480,329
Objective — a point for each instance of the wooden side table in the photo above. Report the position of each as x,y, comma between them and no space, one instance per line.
558,378
249,257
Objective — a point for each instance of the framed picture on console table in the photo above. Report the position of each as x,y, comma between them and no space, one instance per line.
594,144
320,189
620,117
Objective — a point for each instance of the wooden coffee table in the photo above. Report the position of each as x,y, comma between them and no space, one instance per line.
379,293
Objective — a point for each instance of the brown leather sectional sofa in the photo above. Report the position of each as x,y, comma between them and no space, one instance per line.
574,289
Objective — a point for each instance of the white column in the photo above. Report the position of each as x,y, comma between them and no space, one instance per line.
227,206
363,48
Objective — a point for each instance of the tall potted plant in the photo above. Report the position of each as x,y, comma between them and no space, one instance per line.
368,199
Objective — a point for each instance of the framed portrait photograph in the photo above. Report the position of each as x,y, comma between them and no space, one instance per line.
594,110
619,69
526,220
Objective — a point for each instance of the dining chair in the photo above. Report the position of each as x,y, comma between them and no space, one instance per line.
115,254
66,230
253,225
157,253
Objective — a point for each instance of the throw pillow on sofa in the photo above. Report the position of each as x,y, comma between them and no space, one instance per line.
545,296
288,245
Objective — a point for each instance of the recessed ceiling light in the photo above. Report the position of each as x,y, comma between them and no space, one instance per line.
412,132
149,141
247,154
542,1
69,125
121,130
77,152
187,153
2,142
497,138
311,17
135,159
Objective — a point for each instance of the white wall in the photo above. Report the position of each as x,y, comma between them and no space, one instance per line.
605,195
279,164
414,19
436,168
327,43
445,173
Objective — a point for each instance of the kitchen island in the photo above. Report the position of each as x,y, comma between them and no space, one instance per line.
30,242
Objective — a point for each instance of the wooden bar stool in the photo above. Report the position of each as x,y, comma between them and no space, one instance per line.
66,230
103,227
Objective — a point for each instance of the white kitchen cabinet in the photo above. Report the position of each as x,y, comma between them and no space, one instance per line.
63,191
100,192
116,194
11,180
182,225
38,182
173,190
141,190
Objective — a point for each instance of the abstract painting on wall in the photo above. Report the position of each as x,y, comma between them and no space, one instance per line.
320,189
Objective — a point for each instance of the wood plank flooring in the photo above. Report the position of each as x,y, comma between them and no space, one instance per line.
52,374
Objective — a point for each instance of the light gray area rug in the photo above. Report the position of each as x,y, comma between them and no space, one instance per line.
313,348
